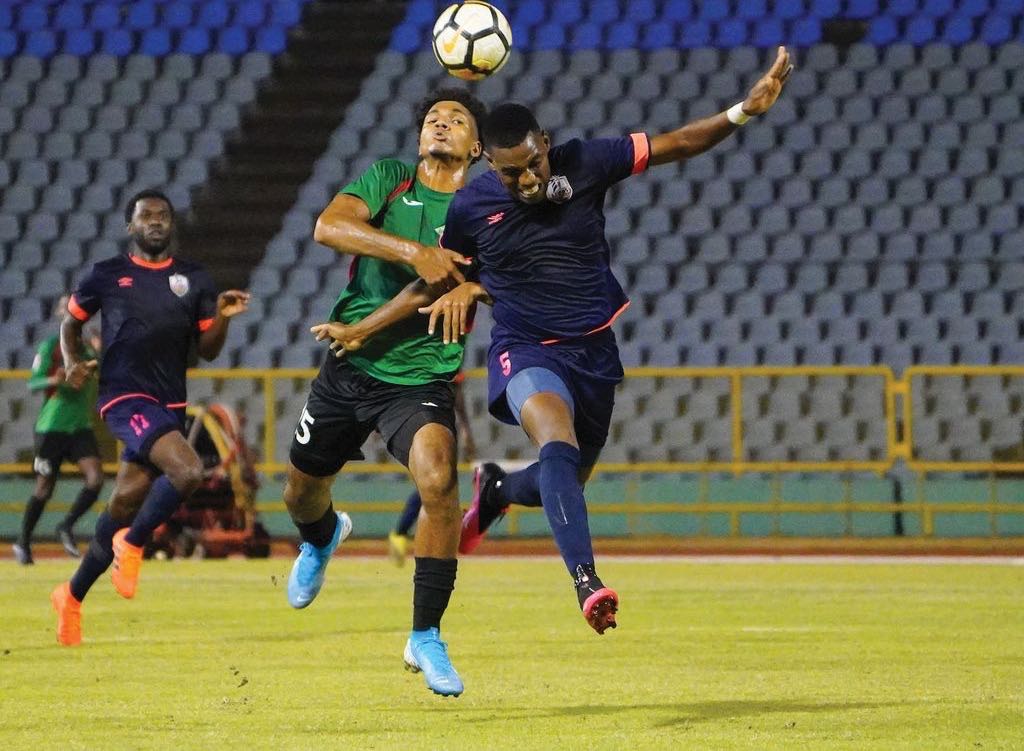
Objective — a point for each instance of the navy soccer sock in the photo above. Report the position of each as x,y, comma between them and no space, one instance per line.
161,503
86,498
410,513
563,503
97,558
521,488
432,586
319,533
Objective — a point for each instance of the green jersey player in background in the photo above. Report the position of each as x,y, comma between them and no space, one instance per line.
400,383
64,431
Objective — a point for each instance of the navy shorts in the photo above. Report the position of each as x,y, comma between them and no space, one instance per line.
589,366
138,423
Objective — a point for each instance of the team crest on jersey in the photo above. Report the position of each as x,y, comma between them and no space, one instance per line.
559,189
179,284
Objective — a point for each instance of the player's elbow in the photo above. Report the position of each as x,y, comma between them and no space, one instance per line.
330,228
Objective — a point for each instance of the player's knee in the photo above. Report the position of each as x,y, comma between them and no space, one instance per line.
437,484
187,478
122,508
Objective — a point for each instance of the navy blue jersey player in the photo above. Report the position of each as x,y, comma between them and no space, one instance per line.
155,308
534,225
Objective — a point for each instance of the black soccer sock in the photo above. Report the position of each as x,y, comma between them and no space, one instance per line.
33,510
86,498
319,533
432,586
410,513
97,558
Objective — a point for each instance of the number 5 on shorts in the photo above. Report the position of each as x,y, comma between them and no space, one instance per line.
305,423
506,363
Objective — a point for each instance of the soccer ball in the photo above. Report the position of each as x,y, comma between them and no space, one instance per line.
472,40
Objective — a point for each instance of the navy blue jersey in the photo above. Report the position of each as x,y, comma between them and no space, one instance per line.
547,265
152,312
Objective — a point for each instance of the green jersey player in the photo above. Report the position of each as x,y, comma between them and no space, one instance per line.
400,383
64,432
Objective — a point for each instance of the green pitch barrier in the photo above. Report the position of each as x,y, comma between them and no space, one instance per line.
685,506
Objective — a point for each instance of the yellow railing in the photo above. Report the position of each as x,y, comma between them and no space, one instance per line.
892,389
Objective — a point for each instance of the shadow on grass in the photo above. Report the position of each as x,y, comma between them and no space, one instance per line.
686,713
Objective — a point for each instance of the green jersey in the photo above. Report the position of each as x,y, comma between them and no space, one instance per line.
64,409
399,205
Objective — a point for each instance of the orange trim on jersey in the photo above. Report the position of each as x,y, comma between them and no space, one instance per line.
77,310
641,152
112,402
602,327
177,405
150,264
205,324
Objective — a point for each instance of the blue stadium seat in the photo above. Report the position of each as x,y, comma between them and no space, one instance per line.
194,41
656,36
214,14
861,8
41,43
586,36
176,15
883,30
731,32
549,37
678,11
920,30
622,36
996,29
288,13
104,16
696,34
141,15
118,42
80,42
272,40
569,12
156,42
9,43
234,40
32,17
68,16
805,31
249,13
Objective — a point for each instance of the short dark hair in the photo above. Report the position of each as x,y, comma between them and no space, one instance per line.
129,209
508,124
452,94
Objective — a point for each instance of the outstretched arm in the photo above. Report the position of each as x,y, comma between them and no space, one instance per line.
345,226
348,337
699,136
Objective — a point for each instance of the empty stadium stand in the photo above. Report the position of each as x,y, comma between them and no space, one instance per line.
874,216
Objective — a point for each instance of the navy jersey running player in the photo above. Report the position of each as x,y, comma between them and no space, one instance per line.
155,308
535,227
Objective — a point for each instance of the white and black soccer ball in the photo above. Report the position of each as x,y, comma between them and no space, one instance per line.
472,40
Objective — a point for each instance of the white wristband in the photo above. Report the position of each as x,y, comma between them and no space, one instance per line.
736,114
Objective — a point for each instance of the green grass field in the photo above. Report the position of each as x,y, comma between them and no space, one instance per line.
707,656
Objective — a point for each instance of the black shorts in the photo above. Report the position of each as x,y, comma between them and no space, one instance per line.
53,449
345,405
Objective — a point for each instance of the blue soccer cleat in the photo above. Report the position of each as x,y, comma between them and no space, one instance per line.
308,572
426,652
